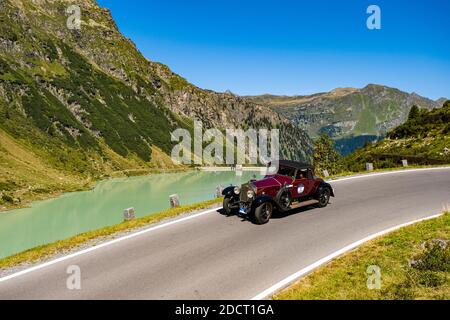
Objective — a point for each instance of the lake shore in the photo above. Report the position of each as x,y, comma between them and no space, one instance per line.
23,198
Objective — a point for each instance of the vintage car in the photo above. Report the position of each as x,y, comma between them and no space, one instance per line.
292,185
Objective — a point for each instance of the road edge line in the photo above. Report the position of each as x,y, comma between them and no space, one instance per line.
299,274
376,174
105,244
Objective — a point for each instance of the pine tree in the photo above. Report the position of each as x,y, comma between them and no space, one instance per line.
325,156
414,113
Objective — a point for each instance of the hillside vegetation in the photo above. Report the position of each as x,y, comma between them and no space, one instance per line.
82,105
423,139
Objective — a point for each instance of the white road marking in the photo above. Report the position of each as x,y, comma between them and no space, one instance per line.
105,244
368,175
296,276
132,235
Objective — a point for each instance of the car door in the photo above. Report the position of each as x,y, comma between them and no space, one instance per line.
302,184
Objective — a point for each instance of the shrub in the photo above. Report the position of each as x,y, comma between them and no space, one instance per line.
7,185
429,279
435,258
7,198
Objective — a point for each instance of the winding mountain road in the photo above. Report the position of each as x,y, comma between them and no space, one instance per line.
211,256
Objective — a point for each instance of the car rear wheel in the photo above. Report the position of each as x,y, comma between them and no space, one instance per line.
263,213
227,206
324,197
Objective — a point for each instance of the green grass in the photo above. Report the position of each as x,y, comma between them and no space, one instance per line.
63,246
346,278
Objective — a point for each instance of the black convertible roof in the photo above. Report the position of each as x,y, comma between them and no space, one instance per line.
294,164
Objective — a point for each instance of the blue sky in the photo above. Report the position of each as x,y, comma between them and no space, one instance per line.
293,47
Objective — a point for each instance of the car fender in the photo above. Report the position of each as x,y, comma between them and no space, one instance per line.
259,200
323,185
228,192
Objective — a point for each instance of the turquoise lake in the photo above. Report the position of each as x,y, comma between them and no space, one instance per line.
74,213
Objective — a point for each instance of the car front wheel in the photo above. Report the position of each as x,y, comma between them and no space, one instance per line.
324,197
227,206
263,213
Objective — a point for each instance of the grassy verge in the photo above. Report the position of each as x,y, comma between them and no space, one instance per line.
48,250
414,262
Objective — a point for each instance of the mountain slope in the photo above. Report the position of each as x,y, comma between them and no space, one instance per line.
423,139
350,116
87,103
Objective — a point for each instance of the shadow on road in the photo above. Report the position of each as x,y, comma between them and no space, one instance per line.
243,217
281,215
276,214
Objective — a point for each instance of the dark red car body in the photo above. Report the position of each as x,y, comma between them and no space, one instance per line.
291,186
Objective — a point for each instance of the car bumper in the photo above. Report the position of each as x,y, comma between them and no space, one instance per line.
242,207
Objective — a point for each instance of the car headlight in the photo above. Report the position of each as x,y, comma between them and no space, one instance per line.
237,190
250,194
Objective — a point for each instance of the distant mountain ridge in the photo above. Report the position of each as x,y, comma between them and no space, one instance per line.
347,113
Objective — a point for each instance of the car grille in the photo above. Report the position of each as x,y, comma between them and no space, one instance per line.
244,190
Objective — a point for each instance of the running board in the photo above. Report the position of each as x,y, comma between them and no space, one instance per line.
304,204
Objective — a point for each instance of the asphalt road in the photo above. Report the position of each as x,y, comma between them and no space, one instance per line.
215,257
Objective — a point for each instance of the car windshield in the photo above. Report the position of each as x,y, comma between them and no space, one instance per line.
286,171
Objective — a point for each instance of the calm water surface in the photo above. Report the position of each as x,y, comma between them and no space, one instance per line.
74,213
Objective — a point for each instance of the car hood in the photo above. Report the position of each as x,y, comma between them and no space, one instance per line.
273,181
